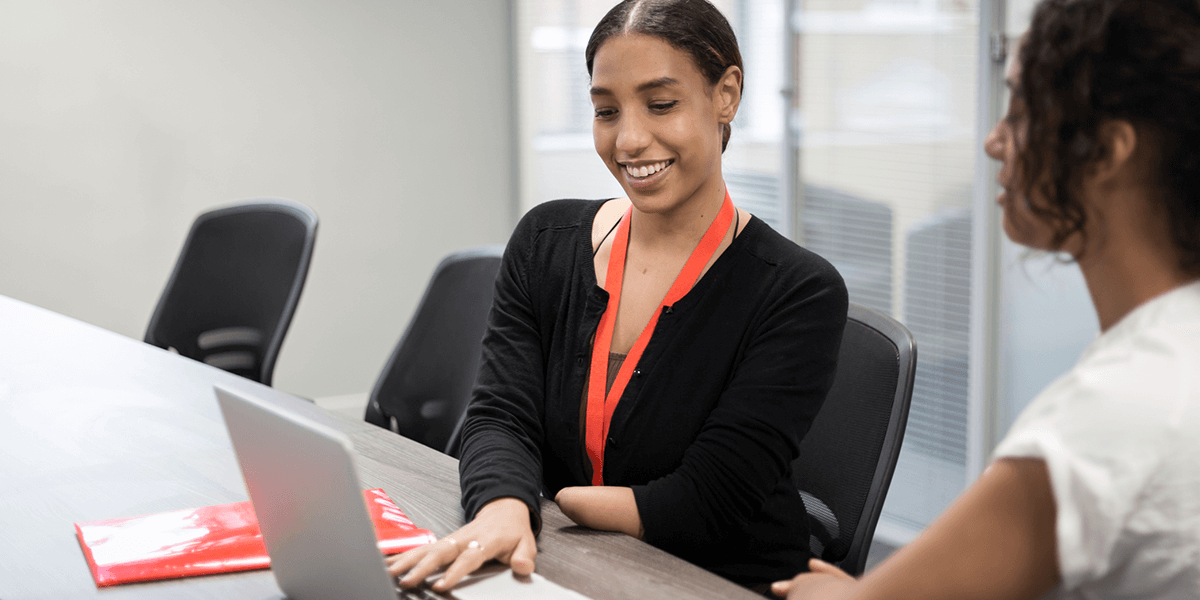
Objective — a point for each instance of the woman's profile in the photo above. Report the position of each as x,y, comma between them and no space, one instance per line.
652,362
1095,490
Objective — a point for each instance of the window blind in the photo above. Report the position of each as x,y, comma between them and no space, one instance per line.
884,116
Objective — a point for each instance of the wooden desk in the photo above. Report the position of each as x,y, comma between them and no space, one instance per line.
95,425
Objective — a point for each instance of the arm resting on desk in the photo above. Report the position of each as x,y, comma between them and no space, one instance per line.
607,508
996,542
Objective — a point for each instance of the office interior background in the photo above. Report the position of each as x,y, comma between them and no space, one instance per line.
418,128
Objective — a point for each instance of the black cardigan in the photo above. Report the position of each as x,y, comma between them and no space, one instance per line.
706,431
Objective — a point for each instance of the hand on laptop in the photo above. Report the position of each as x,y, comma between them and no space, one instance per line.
500,531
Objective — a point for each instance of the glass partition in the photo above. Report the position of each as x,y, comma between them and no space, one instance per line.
883,133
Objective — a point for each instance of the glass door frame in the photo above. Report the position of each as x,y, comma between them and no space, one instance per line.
983,408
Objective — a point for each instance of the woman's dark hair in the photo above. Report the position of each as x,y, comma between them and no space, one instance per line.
693,26
1085,62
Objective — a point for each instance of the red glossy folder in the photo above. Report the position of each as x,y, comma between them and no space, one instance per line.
213,539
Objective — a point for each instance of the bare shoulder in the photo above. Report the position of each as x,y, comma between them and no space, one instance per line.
610,212
742,220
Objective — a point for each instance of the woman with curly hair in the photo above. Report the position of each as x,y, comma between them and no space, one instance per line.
1095,491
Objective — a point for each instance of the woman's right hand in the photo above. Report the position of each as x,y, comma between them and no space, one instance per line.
500,531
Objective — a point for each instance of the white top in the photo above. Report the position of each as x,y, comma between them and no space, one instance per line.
1120,436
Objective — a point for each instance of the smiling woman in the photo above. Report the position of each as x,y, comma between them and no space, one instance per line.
653,361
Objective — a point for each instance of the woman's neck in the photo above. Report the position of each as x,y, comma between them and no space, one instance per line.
1130,260
680,228
1118,287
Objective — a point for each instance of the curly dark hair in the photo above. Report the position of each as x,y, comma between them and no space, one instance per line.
1085,62
693,26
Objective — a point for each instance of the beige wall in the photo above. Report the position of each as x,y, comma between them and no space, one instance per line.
121,120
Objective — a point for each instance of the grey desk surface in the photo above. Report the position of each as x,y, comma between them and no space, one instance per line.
95,425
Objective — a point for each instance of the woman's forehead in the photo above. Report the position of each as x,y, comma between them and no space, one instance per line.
636,62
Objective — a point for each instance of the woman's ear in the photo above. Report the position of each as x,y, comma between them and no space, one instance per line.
729,94
1120,141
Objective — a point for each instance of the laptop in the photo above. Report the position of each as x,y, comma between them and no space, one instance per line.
301,479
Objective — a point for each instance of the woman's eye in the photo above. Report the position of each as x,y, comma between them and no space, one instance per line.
605,113
663,106
1016,112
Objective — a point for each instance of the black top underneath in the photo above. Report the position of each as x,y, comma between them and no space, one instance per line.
707,429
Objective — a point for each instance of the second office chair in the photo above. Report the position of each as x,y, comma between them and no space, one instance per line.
426,384
234,289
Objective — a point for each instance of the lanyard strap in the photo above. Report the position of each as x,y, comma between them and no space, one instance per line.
600,406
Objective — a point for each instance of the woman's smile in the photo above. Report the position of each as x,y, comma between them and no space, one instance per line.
641,174
1005,192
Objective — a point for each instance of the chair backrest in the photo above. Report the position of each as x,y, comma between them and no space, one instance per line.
848,456
234,289
426,384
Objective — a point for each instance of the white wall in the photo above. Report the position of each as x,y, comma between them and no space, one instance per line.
121,120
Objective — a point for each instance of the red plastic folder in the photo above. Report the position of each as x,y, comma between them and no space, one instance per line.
213,539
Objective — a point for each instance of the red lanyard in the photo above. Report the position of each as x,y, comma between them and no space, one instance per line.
599,406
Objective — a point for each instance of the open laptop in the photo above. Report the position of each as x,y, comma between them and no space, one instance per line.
301,479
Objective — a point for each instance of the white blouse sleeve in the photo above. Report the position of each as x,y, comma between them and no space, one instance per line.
1103,430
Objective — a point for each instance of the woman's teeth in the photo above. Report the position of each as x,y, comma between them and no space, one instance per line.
646,170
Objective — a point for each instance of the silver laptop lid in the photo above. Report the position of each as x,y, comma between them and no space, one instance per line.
301,479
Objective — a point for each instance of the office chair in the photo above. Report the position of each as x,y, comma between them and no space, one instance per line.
848,456
423,391
230,299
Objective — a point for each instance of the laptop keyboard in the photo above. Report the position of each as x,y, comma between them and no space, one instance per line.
421,593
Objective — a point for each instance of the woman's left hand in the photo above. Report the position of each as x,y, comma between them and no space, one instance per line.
823,581
606,508
501,531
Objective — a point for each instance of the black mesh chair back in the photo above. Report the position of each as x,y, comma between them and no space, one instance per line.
230,299
848,456
425,386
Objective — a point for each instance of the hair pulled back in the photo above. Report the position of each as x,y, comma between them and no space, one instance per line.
1085,62
692,26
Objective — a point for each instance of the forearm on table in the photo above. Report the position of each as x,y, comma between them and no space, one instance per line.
997,541
606,508
496,465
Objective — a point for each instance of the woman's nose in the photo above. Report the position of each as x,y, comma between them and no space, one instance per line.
994,144
632,136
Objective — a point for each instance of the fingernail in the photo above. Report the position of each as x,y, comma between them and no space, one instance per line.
441,584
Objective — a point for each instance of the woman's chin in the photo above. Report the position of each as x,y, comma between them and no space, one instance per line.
652,204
